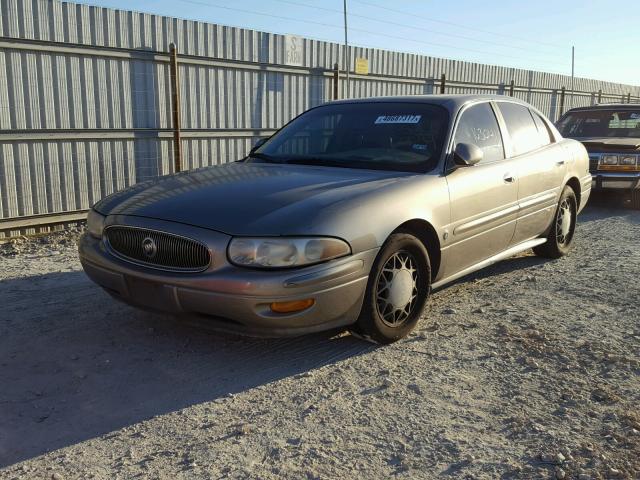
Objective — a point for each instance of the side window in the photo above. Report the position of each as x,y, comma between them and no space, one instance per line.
521,127
478,126
543,130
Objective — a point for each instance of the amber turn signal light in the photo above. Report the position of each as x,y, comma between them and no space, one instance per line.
620,168
291,307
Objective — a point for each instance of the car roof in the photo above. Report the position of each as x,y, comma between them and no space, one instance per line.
450,102
607,106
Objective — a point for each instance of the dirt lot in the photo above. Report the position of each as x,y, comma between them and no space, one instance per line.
529,369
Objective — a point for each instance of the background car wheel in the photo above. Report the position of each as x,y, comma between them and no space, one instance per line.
398,287
560,237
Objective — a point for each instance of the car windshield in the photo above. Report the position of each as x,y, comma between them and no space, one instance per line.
384,135
601,123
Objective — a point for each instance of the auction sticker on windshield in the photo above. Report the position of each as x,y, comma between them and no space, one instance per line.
398,119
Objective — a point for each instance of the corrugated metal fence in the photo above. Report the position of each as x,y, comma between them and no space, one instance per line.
85,97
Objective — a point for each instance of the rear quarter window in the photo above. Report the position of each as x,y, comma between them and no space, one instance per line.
543,130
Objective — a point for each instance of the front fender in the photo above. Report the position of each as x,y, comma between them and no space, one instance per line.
367,221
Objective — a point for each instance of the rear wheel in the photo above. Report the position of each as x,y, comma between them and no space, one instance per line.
635,199
397,290
560,237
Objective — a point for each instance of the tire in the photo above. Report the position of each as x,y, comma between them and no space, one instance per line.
560,237
635,199
391,310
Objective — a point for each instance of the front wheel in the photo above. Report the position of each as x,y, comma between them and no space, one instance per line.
397,290
560,237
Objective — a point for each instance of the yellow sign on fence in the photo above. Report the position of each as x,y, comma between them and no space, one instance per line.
362,66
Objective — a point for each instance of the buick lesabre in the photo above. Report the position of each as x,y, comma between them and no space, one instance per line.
347,217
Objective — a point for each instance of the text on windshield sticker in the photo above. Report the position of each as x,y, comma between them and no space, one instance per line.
398,119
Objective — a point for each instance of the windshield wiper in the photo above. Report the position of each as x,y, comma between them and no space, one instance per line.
323,162
265,157
347,162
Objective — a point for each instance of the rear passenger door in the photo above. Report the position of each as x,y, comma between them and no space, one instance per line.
483,197
539,165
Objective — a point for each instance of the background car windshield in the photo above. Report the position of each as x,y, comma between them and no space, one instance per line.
393,136
601,123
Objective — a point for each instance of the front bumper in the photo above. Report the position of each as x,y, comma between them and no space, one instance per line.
234,299
616,180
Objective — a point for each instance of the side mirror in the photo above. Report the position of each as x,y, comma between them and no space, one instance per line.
467,154
258,144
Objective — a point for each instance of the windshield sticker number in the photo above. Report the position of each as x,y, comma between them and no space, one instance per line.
385,119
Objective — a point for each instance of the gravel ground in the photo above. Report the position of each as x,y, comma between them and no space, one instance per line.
529,369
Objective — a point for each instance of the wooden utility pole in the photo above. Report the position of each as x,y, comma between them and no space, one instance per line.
573,71
347,54
175,106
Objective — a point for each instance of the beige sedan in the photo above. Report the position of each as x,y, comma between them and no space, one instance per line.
347,217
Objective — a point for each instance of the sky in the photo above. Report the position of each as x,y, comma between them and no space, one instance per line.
536,35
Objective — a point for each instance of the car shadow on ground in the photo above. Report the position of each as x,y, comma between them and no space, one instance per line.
609,204
76,364
502,267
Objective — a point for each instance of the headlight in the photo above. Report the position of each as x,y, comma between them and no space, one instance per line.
628,160
95,223
609,160
277,252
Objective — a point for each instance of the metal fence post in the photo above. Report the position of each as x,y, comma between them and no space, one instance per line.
511,87
175,106
629,97
443,81
336,80
599,95
562,92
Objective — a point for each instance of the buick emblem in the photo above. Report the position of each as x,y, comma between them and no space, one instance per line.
149,247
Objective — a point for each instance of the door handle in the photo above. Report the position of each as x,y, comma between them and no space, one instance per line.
560,163
509,178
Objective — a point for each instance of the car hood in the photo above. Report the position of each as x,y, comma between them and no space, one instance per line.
247,198
610,144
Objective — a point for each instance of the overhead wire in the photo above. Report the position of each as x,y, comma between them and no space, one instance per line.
413,27
329,25
445,22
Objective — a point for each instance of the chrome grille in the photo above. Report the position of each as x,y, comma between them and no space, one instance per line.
593,162
157,249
